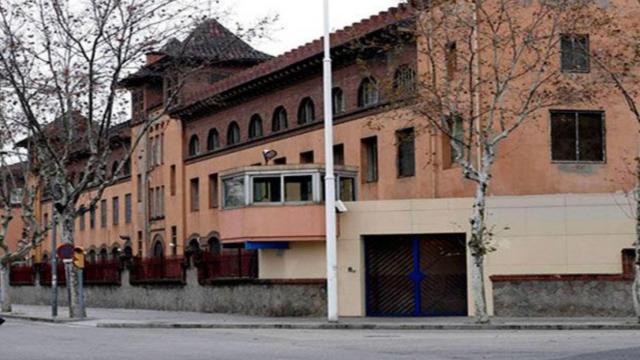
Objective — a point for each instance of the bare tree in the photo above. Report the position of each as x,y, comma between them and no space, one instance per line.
486,68
63,62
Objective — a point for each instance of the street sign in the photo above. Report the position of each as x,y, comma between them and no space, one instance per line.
65,251
78,257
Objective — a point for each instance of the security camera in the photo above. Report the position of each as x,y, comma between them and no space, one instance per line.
341,207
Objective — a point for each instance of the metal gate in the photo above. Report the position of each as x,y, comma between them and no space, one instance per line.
416,275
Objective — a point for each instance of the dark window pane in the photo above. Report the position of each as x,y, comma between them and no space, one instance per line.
406,152
347,189
574,51
266,190
563,137
591,141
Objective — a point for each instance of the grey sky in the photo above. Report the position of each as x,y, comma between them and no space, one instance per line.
301,20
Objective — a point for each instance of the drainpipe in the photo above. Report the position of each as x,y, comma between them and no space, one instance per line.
330,184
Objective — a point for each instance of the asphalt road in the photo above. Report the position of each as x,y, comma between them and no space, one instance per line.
39,341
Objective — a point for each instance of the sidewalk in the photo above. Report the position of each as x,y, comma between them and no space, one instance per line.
150,319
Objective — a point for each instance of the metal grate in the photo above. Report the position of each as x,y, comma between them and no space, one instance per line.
416,275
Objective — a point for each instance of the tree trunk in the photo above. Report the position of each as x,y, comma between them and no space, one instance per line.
76,311
476,245
5,288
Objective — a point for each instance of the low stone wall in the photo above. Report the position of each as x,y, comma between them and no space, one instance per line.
249,297
579,297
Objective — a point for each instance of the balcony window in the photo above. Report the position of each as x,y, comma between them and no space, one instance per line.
298,188
234,192
267,190
278,185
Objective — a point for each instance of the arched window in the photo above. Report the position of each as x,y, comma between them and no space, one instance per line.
214,245
158,248
255,127
194,246
114,168
104,254
368,93
338,101
306,111
279,121
45,258
233,134
115,252
194,145
404,79
213,140
91,256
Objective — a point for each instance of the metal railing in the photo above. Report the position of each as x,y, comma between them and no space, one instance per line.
230,264
22,274
158,270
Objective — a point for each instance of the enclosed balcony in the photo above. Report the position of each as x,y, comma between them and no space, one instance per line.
270,206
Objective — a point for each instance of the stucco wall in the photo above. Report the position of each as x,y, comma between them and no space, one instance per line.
550,234
303,260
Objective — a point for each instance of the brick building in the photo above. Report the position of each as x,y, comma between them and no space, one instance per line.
200,180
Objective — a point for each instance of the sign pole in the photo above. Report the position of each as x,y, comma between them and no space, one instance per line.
54,266
330,183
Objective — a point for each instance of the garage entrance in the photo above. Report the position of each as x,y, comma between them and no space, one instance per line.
416,275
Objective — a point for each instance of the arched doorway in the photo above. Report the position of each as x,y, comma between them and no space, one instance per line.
91,256
104,254
214,246
158,247
128,251
115,252
194,246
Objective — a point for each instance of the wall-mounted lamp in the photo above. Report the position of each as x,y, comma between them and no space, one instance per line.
269,154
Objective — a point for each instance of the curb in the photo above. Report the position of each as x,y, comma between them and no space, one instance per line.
367,326
41,319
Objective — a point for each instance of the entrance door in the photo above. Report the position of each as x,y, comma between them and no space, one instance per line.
416,275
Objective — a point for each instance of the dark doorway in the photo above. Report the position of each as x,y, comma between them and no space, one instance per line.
158,249
416,275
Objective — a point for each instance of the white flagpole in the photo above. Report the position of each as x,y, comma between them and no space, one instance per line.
330,184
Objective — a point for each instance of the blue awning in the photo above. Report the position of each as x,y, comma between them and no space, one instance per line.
263,245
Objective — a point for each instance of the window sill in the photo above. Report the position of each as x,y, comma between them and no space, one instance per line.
568,162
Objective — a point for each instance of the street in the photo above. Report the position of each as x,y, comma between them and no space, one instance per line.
30,341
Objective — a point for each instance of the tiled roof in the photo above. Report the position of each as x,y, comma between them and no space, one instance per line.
313,49
211,40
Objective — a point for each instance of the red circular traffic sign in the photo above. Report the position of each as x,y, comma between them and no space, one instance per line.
65,251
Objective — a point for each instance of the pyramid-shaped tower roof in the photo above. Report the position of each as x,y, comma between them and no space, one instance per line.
211,40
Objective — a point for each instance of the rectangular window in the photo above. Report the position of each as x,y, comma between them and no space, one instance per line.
127,209
92,217
195,194
574,50
213,191
115,212
103,213
306,157
280,161
82,218
298,188
347,189
370,159
233,192
161,200
173,180
152,203
338,154
577,136
174,240
451,58
266,190
139,187
406,157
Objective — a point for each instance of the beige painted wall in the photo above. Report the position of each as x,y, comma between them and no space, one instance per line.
547,234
